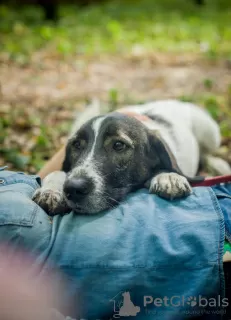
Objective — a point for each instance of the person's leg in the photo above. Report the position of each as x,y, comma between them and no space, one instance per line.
83,249
23,224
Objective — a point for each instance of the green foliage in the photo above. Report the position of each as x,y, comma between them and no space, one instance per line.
119,27
17,159
212,106
113,99
208,83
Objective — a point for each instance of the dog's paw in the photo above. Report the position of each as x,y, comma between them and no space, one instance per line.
49,200
170,186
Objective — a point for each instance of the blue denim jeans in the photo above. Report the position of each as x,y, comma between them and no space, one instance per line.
148,258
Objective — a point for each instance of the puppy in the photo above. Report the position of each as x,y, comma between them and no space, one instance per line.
158,145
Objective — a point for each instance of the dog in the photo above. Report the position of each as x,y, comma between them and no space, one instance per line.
158,145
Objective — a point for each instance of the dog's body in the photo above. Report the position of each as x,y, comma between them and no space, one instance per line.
156,145
188,131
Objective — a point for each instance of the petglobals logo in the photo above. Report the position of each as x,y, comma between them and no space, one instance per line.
123,305
181,301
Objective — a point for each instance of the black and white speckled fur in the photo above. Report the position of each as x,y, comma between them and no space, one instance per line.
159,154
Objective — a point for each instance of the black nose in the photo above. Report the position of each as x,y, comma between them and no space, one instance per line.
76,189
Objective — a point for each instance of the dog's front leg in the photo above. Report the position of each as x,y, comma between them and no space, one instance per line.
169,185
50,195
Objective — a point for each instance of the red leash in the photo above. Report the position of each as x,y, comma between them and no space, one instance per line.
208,182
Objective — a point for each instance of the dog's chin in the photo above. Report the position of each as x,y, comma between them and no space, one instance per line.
96,203
90,208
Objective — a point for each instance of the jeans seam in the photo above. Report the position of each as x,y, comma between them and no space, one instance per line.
30,180
221,240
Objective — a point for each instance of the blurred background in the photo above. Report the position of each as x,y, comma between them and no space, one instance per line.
57,55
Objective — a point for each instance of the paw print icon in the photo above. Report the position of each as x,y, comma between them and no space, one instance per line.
192,301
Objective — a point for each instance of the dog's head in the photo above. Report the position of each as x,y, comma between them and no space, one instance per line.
109,157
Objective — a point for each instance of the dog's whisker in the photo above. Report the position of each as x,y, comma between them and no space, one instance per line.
107,196
108,203
110,198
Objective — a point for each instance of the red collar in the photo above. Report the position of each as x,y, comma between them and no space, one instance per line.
208,182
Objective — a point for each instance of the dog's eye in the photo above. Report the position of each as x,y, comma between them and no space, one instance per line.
79,144
119,146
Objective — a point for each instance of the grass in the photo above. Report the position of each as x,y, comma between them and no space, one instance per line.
119,27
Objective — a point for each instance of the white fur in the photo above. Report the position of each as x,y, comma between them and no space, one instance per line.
170,185
51,192
89,166
54,180
217,165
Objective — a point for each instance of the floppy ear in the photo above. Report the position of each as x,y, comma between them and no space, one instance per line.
67,162
160,150
165,158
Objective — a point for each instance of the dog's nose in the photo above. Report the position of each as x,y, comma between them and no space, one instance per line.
77,188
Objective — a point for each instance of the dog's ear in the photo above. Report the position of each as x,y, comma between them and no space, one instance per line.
163,158
67,161
160,153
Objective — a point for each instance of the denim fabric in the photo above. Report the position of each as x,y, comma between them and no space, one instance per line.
145,249
22,223
223,193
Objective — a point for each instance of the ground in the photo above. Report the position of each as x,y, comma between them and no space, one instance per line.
121,52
